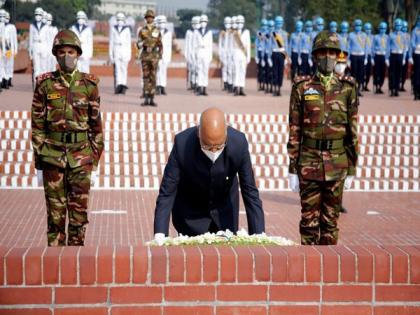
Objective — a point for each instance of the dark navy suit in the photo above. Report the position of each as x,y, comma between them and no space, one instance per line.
203,196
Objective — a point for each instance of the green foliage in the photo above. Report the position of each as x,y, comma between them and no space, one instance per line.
185,16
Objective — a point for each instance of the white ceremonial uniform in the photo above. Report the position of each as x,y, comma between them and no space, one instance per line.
85,35
229,56
2,51
188,54
120,52
161,75
52,60
223,53
38,47
11,49
241,43
203,49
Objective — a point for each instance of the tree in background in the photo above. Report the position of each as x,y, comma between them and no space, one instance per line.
185,16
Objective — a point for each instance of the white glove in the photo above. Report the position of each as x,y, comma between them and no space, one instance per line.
299,61
372,61
111,60
310,62
348,63
40,178
387,62
403,62
257,61
160,238
411,61
92,178
365,62
270,62
294,182
286,62
348,181
262,63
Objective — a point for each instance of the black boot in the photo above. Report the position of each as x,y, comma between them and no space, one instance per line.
151,101
204,91
162,90
146,100
123,89
10,82
118,89
343,210
241,91
224,86
235,91
4,84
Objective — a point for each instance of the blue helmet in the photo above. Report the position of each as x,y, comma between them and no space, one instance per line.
367,27
264,22
383,26
270,23
333,26
279,21
344,27
405,26
319,23
299,26
308,26
418,20
397,24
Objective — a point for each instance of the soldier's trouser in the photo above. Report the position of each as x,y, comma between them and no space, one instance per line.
260,76
203,72
149,68
230,70
278,68
268,72
240,71
2,61
52,63
295,65
357,68
66,190
394,71
368,70
404,72
321,204
8,67
224,72
161,76
379,70
121,67
304,68
40,63
416,74
83,64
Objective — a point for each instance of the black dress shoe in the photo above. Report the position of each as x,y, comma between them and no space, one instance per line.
152,102
163,91
241,92
146,101
343,210
10,83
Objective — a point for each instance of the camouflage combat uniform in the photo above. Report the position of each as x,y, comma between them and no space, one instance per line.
323,149
150,47
68,143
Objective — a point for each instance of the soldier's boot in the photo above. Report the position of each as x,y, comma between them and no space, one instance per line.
158,90
117,89
198,90
123,89
241,91
231,90
4,84
164,91
204,91
343,210
10,82
224,86
151,101
235,91
146,100
396,93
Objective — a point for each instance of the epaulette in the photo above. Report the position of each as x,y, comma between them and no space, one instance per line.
349,79
301,78
44,76
91,77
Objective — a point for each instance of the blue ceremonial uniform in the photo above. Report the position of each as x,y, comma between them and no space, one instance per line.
305,52
260,53
379,51
415,48
368,59
357,51
406,57
295,41
395,54
279,48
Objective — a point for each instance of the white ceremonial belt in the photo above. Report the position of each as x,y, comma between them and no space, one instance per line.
304,51
278,49
398,52
381,53
417,52
118,44
295,51
357,53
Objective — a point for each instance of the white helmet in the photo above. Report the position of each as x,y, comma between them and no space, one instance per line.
3,13
49,17
204,18
195,20
38,11
163,19
240,19
158,19
44,15
227,20
120,16
81,15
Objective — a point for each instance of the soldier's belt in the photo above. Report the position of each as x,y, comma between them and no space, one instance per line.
150,49
323,144
380,53
68,137
396,52
359,53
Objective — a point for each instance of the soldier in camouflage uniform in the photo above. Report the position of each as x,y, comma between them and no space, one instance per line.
149,44
323,144
67,140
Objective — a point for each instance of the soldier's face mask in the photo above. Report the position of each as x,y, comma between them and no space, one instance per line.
81,21
38,18
340,68
326,60
240,26
67,58
120,23
203,24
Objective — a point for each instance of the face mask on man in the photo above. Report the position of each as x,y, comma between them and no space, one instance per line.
326,64
340,68
67,63
38,18
240,26
203,24
213,156
81,21
120,23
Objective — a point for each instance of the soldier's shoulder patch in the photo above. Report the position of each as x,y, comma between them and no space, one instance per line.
44,76
349,79
92,78
301,78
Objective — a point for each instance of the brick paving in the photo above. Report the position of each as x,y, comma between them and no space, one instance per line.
374,217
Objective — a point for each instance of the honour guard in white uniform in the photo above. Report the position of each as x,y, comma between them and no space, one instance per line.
241,55
223,51
84,32
52,62
10,51
161,75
